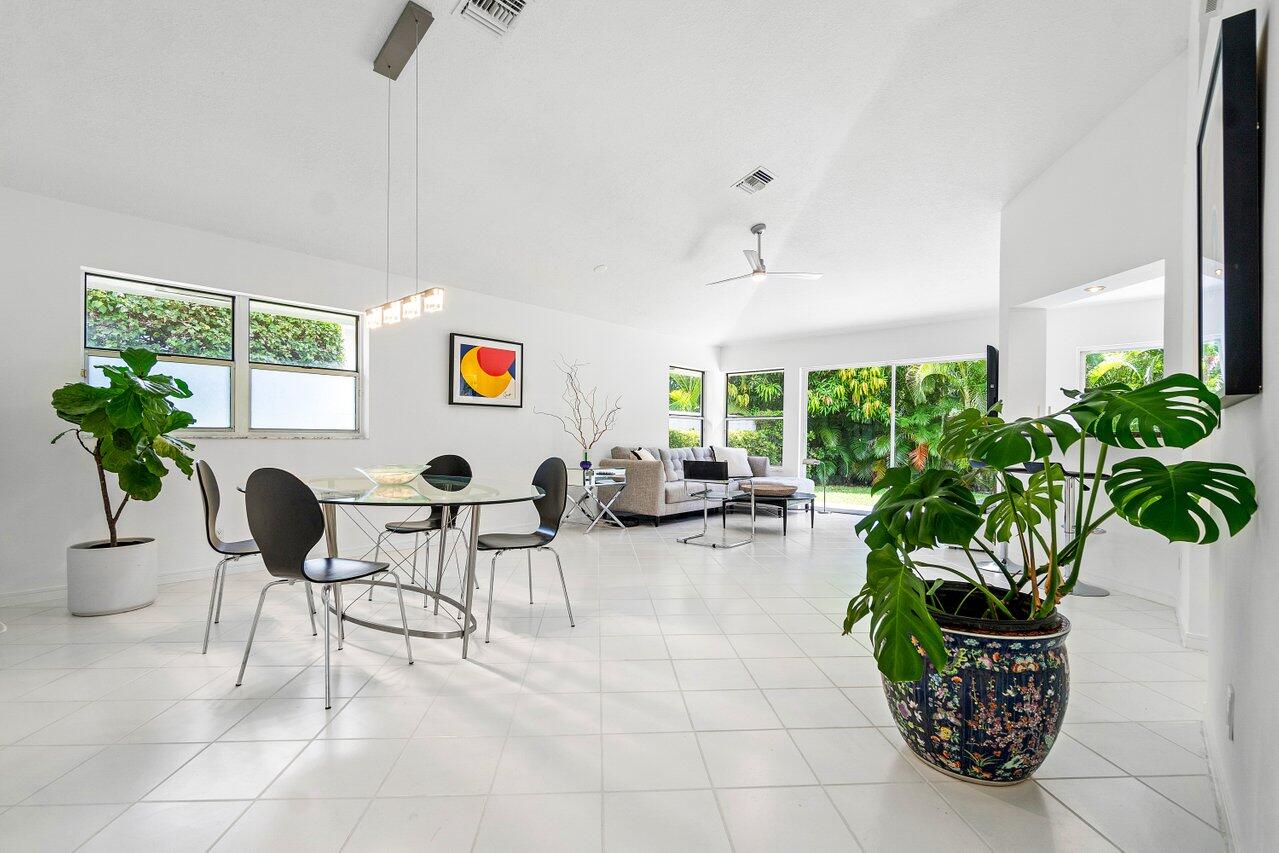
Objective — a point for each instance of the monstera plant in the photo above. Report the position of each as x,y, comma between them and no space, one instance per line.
127,427
962,589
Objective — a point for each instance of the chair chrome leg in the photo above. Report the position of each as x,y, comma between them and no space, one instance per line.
488,628
563,584
217,611
337,600
213,595
310,606
404,618
324,600
253,629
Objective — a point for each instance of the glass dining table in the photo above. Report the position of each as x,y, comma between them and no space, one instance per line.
352,493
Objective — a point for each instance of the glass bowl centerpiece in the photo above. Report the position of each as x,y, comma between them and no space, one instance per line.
392,475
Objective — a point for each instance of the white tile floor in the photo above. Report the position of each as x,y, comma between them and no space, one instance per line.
705,701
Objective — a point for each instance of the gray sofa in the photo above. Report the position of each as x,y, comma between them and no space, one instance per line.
657,489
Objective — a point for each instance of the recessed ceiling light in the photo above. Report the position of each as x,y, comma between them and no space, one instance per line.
602,268
1094,288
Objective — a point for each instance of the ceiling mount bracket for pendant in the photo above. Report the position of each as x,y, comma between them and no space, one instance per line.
413,23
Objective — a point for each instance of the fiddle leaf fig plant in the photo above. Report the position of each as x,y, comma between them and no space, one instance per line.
919,511
128,428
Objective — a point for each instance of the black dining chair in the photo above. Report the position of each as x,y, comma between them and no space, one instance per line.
230,551
448,465
286,521
552,478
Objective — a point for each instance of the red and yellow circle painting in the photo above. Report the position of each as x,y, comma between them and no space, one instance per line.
487,370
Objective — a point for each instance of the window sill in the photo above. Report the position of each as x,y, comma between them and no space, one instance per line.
273,436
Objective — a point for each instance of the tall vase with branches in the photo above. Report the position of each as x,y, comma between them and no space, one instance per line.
588,415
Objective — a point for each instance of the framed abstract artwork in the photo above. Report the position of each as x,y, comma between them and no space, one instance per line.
485,372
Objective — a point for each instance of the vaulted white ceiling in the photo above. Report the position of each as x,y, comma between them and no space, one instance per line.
594,133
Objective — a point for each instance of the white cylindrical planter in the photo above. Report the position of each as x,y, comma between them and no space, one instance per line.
102,580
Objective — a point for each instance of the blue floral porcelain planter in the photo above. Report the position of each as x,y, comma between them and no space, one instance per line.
995,713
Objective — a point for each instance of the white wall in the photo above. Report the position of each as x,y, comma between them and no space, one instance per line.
961,337
1109,205
50,496
1074,329
1243,595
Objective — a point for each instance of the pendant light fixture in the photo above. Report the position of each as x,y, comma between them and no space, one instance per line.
412,25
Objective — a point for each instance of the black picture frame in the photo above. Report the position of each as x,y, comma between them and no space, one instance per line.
457,399
1228,192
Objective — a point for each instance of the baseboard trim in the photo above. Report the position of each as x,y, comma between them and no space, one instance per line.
1118,585
1191,640
55,595
1225,799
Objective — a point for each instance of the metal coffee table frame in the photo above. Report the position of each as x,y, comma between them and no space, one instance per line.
780,502
707,497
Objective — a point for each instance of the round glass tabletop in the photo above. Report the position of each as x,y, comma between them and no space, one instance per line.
421,491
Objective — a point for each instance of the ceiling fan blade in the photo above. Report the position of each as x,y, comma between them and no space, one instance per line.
728,280
812,276
752,258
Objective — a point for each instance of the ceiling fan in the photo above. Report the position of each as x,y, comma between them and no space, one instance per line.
755,257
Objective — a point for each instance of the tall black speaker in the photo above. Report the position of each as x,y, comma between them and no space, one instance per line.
992,377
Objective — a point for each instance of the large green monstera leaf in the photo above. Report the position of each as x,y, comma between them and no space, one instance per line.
1176,411
921,512
1169,499
1001,444
1023,505
893,597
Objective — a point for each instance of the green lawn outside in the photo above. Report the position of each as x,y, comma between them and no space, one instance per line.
846,497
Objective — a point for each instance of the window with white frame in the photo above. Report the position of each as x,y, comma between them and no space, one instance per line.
753,412
1131,366
255,366
686,407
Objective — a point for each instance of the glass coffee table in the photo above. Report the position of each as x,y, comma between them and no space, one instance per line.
781,502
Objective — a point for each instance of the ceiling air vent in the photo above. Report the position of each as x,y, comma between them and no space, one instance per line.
755,181
496,16
1210,6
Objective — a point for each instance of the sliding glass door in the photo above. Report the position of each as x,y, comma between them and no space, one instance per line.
862,420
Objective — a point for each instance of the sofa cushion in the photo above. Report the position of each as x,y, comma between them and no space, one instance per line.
683,491
738,465
673,460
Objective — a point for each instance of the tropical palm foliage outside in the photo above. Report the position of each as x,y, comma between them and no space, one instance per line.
851,412
1131,367
685,396
754,409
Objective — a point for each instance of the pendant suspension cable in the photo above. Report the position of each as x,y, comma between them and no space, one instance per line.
388,189
417,162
